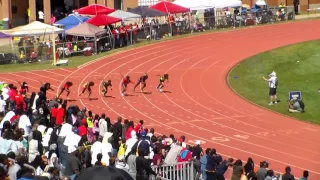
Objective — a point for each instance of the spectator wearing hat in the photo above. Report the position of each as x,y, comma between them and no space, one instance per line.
273,83
144,144
173,153
295,106
288,175
197,151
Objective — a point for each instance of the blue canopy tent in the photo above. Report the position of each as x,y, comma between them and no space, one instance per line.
71,21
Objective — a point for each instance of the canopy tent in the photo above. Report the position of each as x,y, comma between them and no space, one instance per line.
169,7
94,9
4,36
124,15
71,21
103,20
146,12
87,30
261,3
35,28
223,4
192,4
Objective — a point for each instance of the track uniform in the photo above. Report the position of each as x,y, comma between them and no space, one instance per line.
66,87
142,80
87,86
105,86
162,80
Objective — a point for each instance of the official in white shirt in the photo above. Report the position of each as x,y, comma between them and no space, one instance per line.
273,83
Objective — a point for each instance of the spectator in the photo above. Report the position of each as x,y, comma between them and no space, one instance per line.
157,158
7,144
262,171
213,160
131,142
18,140
124,128
25,124
296,106
118,126
139,127
270,175
203,162
185,154
249,169
3,174
129,129
144,143
143,166
131,160
273,83
96,149
120,164
53,114
305,175
173,153
98,162
73,165
90,126
151,133
96,126
237,170
222,168
197,150
35,146
14,166
288,175
116,141
103,126
2,106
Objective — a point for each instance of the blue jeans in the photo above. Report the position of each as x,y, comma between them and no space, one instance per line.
114,152
204,173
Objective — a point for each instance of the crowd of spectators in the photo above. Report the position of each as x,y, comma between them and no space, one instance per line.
53,139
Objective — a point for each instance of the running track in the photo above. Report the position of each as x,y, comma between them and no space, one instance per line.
201,105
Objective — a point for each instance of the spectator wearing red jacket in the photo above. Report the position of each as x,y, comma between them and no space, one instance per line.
19,101
12,97
139,127
54,114
60,115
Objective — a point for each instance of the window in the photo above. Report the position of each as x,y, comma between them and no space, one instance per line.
147,2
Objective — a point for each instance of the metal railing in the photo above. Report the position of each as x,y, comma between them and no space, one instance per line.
179,171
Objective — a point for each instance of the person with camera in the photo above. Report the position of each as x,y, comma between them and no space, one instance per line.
296,105
273,84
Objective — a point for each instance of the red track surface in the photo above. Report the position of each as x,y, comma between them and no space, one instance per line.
201,106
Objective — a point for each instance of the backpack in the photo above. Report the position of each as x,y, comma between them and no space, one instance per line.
276,83
183,154
301,105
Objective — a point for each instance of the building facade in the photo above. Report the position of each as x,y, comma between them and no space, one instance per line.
16,10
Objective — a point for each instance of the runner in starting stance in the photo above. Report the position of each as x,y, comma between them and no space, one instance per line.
87,86
65,87
125,81
105,86
142,81
162,79
23,88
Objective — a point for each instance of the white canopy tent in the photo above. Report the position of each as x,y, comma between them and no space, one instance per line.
261,3
192,4
125,16
206,4
35,28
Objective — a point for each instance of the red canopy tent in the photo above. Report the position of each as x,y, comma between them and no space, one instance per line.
95,9
103,20
168,7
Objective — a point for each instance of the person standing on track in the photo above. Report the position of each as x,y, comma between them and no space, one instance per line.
125,81
66,87
142,81
162,80
24,88
43,90
87,86
273,83
105,86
